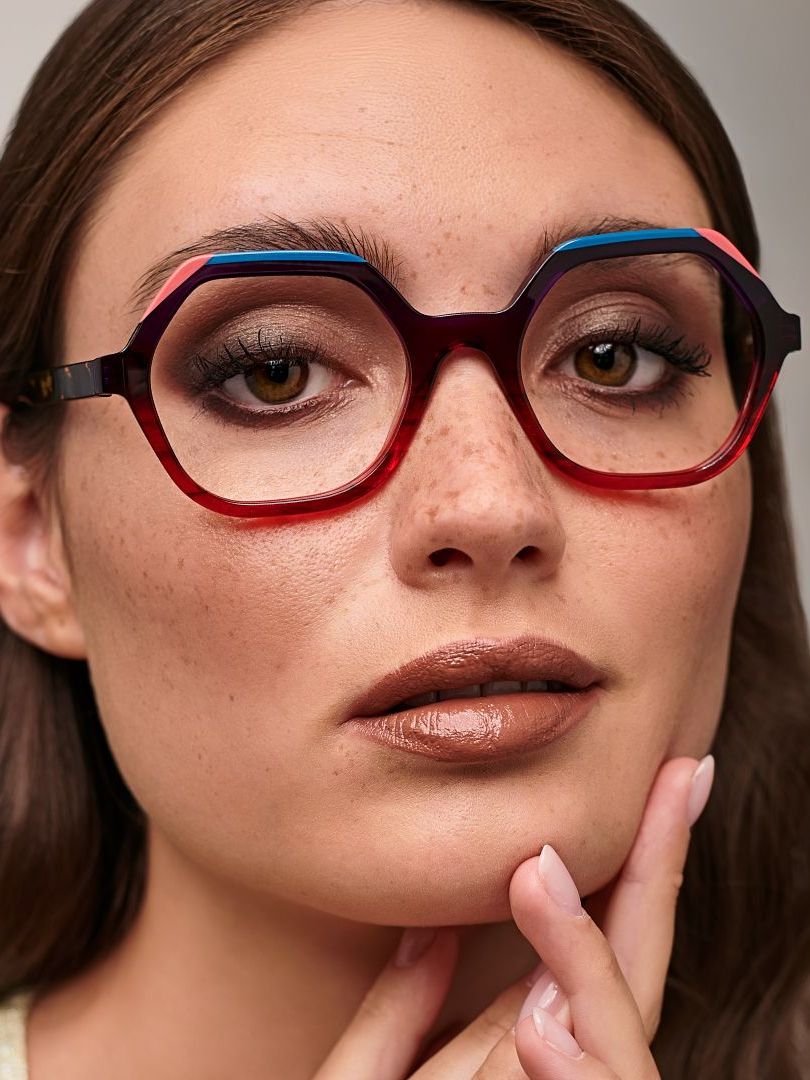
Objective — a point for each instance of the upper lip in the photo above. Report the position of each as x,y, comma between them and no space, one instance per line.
462,663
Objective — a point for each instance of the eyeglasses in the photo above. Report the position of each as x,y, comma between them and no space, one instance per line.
281,383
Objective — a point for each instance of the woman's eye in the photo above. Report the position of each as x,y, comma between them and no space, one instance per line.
277,382
611,363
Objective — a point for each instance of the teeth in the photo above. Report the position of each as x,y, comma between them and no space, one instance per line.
464,691
420,699
481,689
502,687
541,685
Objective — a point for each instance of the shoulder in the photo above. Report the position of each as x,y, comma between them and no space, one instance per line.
13,1016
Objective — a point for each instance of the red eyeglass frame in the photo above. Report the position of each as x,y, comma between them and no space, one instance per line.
427,340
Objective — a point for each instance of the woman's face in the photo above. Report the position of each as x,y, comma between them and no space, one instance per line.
225,654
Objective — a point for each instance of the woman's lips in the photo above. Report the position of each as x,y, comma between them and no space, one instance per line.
481,728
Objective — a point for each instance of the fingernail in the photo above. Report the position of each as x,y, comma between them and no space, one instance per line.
558,882
553,1032
414,943
535,974
701,786
545,993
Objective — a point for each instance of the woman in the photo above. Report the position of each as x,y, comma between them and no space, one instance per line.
208,854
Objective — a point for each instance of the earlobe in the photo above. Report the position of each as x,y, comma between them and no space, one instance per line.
36,599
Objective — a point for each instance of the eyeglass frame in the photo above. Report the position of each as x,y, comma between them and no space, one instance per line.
427,340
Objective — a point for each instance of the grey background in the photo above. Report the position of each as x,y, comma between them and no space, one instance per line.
750,57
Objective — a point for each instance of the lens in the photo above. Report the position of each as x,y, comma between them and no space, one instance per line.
276,387
639,364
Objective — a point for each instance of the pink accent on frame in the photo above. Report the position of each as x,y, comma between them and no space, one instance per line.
181,274
727,246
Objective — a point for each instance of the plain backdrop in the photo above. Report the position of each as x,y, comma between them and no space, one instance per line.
751,58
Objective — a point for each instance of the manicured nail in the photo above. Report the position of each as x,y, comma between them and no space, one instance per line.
553,1032
414,943
701,786
545,993
558,882
535,974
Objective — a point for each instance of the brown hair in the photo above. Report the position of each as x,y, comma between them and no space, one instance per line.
71,834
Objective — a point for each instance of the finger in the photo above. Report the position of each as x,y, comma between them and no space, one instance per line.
641,940
546,992
637,914
605,1019
548,1051
539,1059
491,1031
396,1013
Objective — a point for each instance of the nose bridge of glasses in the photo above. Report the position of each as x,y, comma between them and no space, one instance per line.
491,335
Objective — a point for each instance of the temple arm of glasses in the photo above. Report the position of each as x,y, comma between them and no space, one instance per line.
86,379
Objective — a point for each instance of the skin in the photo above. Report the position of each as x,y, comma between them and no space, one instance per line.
284,855
603,980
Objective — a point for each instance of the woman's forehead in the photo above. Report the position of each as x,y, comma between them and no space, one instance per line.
460,166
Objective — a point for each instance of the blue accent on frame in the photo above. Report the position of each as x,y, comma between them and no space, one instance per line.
621,237
346,256
273,256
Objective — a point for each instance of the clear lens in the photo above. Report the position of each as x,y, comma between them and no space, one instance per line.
278,387
625,362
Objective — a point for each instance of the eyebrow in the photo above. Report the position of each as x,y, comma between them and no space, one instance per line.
277,233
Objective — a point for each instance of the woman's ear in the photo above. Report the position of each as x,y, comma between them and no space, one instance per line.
36,599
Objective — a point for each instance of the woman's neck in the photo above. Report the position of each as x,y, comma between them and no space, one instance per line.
214,980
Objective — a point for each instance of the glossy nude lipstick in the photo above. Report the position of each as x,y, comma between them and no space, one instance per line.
478,700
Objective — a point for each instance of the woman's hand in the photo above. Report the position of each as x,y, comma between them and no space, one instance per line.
610,976
614,977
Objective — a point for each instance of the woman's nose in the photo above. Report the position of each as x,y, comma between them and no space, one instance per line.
471,494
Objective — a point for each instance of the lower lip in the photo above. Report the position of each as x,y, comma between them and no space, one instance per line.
480,729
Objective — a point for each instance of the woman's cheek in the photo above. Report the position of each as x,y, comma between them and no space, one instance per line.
678,603
201,646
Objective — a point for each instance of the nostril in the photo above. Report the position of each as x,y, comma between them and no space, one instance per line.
527,553
443,555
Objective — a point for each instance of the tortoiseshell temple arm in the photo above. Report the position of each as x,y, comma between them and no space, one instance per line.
88,378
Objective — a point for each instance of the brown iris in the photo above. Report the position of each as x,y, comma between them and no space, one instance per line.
612,364
277,382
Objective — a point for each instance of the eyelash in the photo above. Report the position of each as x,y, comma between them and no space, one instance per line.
659,339
221,367
214,371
